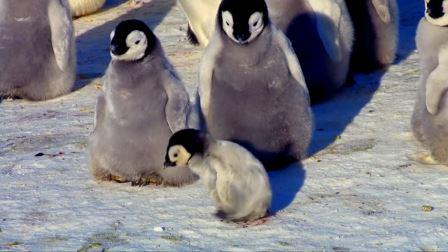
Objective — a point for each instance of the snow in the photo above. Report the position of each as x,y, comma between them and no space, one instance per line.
360,190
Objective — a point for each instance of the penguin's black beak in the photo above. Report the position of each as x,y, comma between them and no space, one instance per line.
117,50
168,164
242,38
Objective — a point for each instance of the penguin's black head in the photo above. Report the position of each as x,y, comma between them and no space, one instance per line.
183,145
436,11
131,40
243,20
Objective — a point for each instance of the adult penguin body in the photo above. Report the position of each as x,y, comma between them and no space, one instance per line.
251,88
37,49
144,102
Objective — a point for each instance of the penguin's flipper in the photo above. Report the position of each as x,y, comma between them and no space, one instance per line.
100,109
206,72
382,9
328,18
436,86
291,58
437,83
62,31
178,104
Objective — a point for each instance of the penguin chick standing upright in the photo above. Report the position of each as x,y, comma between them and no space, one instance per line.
430,118
376,33
235,179
37,49
144,102
251,86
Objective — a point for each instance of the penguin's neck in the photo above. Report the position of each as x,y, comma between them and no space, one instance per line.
251,54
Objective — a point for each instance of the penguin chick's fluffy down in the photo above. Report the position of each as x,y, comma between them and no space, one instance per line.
37,49
430,118
143,103
236,180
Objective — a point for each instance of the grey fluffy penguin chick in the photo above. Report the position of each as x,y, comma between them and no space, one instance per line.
321,33
236,180
430,118
143,104
251,86
37,49
376,33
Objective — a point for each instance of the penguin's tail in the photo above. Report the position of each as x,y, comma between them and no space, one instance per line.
177,176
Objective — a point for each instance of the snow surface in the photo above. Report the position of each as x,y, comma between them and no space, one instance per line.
360,189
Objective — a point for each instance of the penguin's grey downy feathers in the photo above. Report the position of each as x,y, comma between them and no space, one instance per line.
37,52
235,179
252,90
143,103
430,117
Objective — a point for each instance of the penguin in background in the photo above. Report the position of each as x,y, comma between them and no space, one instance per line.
143,103
430,117
251,87
376,33
37,49
321,33
201,16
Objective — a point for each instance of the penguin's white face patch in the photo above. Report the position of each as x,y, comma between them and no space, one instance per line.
246,33
227,24
436,12
255,25
179,155
137,44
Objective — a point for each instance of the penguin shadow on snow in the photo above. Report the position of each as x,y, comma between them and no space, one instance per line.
411,11
285,184
93,45
334,115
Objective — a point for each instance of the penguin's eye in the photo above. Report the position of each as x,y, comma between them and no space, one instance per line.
255,20
176,155
137,42
227,23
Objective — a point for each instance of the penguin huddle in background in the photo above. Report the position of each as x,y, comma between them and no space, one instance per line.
430,118
324,53
143,104
321,33
235,179
376,29
251,87
39,62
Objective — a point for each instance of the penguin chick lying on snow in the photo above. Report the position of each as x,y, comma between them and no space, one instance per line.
236,180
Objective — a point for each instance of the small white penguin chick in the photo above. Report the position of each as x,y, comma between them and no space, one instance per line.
236,180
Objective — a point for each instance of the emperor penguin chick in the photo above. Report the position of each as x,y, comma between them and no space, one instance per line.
143,104
321,33
376,33
235,179
37,49
430,118
251,86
